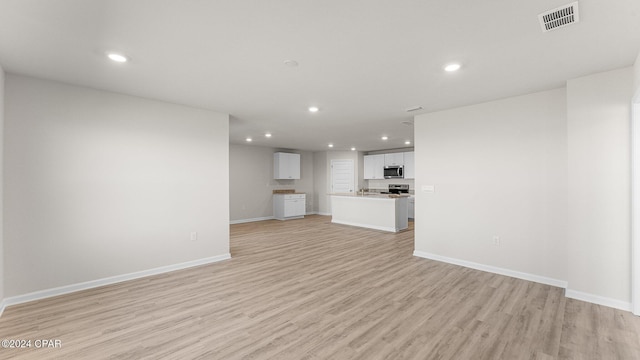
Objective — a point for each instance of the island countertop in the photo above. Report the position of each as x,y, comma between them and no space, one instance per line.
387,212
371,195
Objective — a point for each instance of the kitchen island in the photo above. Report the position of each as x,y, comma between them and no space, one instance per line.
374,211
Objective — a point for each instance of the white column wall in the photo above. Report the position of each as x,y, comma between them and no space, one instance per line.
1,190
599,246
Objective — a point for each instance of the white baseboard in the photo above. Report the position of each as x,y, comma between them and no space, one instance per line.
375,227
242,221
493,269
600,300
43,294
323,213
2,306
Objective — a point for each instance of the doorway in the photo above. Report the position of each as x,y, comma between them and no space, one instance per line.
342,176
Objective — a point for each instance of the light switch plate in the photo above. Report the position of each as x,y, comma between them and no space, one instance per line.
428,188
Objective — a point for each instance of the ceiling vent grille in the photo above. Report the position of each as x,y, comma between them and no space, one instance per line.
559,17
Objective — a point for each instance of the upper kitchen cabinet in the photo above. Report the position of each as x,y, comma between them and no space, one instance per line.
394,159
374,167
409,165
286,166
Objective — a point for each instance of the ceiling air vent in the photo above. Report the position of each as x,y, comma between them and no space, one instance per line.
559,17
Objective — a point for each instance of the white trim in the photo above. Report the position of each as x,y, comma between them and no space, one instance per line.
2,306
493,269
369,226
291,218
43,294
635,205
242,221
323,213
600,300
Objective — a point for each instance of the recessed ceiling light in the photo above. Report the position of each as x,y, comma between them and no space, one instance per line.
267,135
249,139
330,145
452,67
313,109
291,63
407,142
353,149
385,138
117,57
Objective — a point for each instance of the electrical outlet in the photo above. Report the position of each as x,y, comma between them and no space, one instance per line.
194,236
496,240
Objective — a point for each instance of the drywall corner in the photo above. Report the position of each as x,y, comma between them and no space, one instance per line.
636,79
598,143
1,189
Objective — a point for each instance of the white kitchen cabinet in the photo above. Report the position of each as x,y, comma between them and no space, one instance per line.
409,165
286,166
394,159
374,167
289,206
412,207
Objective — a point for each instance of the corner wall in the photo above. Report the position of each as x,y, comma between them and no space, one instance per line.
101,185
498,169
1,190
599,239
636,78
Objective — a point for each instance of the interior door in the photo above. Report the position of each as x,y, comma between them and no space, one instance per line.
342,176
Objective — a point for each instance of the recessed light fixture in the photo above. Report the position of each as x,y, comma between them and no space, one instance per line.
291,63
407,142
452,67
249,139
117,57
330,145
267,135
313,109
353,149
385,138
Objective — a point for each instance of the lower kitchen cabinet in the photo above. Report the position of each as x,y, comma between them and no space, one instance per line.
412,207
289,206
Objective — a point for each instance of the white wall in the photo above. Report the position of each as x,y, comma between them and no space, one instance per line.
251,182
636,82
598,108
1,189
499,169
99,184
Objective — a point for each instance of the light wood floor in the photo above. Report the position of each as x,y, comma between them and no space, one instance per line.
309,289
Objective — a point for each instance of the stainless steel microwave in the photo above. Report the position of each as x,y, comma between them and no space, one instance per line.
393,172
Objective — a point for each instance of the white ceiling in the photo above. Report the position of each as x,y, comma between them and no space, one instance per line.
362,62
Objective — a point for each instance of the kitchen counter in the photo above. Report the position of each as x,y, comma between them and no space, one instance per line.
372,195
387,212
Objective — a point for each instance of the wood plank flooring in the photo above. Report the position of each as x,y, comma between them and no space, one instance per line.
309,289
